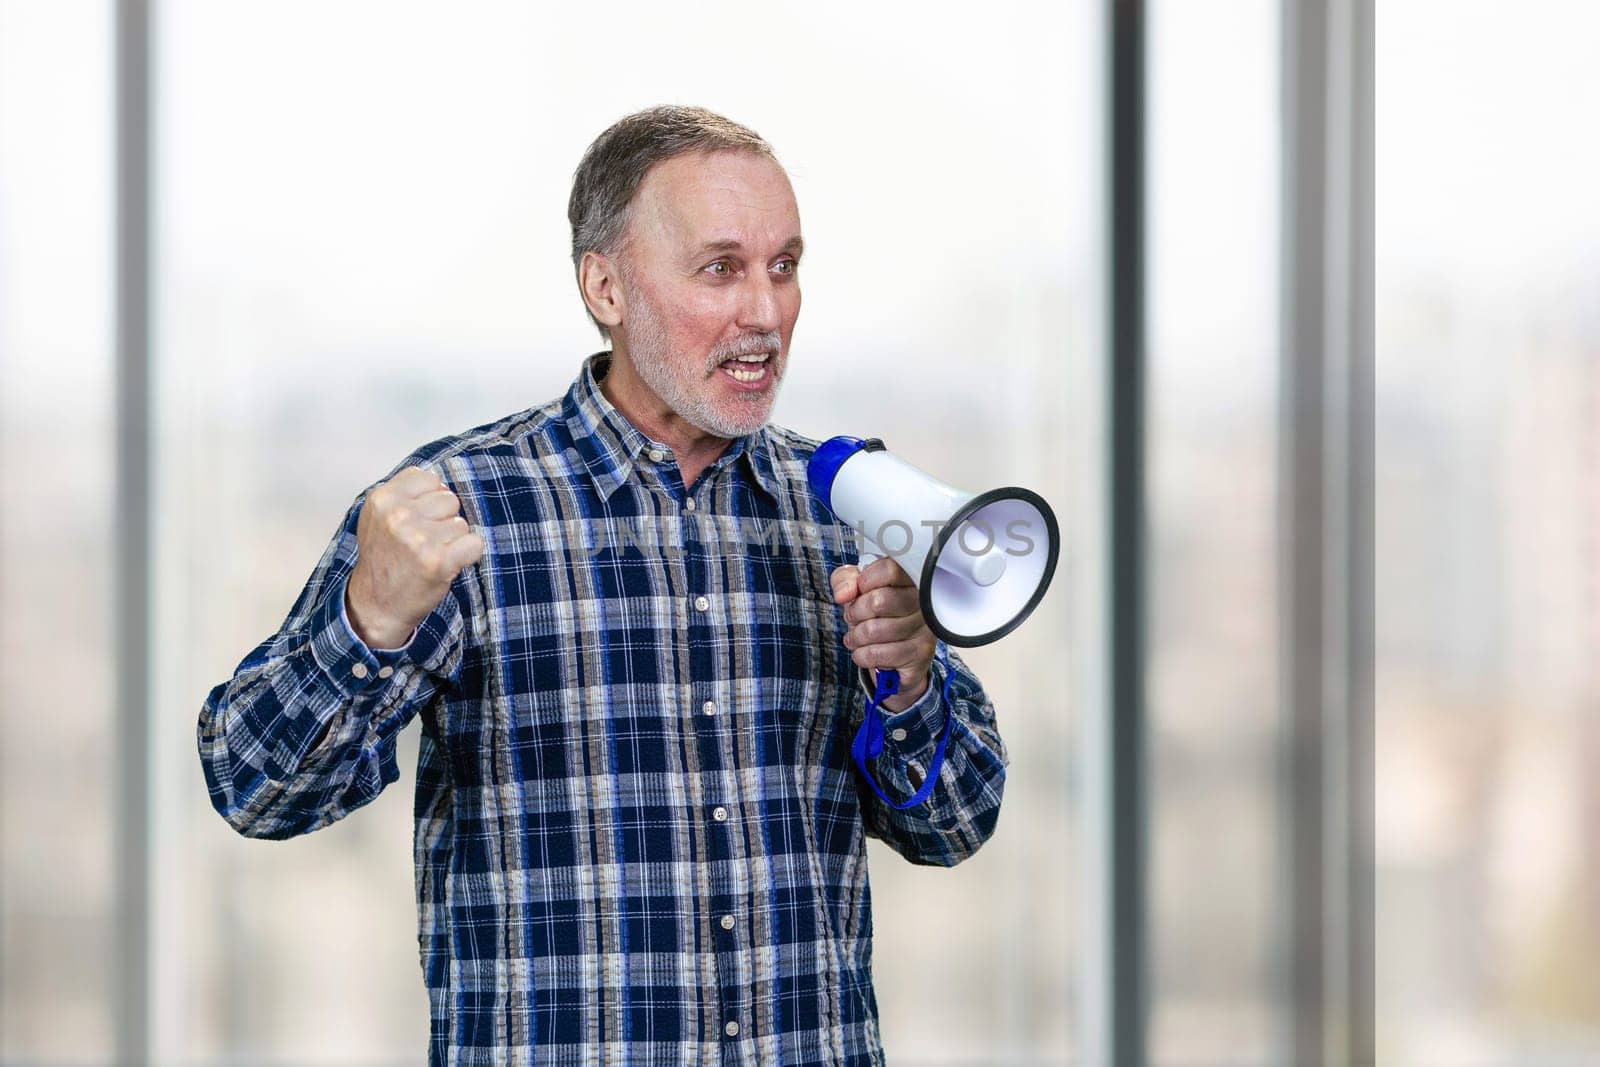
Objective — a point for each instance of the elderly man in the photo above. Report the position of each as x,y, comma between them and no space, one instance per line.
637,652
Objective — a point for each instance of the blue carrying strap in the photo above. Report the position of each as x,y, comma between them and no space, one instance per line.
869,737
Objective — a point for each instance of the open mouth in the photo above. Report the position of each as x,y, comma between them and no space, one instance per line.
747,369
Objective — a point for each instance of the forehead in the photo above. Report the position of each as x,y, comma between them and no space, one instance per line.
695,199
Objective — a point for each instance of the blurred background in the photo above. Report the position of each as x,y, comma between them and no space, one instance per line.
1125,252
1488,770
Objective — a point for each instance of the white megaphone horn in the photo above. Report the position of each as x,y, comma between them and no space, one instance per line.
981,561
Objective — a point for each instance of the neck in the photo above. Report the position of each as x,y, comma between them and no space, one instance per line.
693,448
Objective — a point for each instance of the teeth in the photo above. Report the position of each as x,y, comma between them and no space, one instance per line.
747,375
759,357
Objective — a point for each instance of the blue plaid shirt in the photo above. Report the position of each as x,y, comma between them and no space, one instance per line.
639,832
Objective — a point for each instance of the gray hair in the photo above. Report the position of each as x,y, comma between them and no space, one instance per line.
609,174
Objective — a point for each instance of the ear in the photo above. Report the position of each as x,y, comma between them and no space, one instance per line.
597,281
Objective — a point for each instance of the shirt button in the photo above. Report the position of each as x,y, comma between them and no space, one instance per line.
359,670
701,603
810,533
688,505
732,1029
727,922
478,626
709,707
719,813
898,734
384,672
656,455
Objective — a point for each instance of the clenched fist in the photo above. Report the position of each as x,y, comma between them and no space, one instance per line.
887,630
411,542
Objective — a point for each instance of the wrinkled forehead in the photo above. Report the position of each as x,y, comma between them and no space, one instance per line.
698,199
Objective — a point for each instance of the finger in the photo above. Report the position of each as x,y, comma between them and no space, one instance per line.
464,551
413,482
438,504
885,600
882,630
883,572
896,655
843,580
439,533
452,528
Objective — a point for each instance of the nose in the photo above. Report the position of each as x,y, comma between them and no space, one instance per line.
759,310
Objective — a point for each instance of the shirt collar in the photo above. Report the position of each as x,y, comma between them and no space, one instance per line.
608,444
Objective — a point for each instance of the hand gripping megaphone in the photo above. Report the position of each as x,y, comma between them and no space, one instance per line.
981,561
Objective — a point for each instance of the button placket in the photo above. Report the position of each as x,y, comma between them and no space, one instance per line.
700,577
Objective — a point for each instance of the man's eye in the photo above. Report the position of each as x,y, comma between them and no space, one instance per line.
721,268
786,266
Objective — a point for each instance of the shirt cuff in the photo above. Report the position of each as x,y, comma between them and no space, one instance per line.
918,726
356,670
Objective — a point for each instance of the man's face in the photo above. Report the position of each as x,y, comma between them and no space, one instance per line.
710,274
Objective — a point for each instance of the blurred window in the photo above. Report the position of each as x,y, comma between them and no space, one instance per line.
1215,725
1488,386
57,692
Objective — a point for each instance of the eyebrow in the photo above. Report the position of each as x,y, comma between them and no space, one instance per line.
794,246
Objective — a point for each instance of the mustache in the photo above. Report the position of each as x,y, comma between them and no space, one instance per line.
748,345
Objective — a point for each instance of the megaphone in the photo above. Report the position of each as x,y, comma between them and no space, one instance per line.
981,561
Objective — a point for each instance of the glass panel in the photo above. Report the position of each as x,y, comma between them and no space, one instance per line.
364,247
1214,725
1488,535
57,779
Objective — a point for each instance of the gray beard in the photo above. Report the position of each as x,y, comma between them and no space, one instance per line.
651,355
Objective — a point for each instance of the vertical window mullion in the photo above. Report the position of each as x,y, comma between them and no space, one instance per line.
1128,807
132,525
